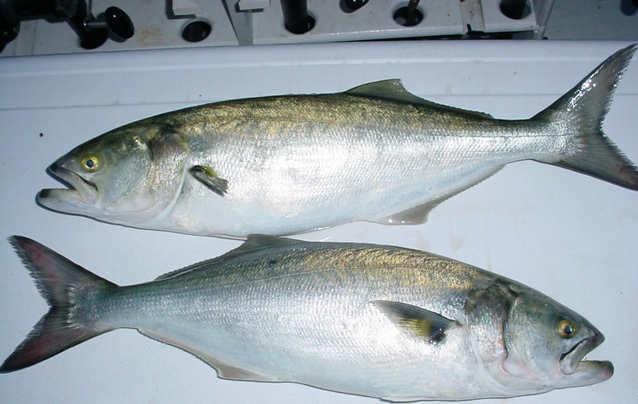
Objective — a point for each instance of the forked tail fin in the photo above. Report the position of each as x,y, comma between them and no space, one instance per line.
582,110
64,285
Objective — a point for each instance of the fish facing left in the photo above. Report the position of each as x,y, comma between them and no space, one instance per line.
377,321
290,164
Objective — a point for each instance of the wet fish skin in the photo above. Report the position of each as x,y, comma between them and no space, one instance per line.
378,321
288,164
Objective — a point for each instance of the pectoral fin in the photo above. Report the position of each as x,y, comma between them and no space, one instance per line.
208,177
420,322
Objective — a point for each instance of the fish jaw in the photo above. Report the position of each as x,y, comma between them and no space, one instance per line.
583,372
81,196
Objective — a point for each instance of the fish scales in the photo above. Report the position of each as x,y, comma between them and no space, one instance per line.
353,163
288,164
377,321
283,306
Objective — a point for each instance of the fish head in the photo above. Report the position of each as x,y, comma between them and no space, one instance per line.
124,176
546,343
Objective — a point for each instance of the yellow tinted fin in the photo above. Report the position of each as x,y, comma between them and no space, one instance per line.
418,321
208,177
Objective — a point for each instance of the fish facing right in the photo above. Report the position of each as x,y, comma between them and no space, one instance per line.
289,164
377,321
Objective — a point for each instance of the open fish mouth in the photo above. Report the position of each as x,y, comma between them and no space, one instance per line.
80,191
572,360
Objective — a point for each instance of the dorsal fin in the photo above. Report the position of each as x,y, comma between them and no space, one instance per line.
253,243
180,271
257,242
393,90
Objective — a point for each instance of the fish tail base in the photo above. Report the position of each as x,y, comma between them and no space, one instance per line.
583,110
63,284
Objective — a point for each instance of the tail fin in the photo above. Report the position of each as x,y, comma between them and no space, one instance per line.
63,284
583,110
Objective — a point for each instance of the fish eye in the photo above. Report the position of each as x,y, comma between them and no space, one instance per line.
566,329
90,162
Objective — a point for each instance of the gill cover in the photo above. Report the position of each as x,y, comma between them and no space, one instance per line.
130,174
487,310
546,343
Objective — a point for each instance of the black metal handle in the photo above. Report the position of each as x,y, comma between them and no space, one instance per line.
353,5
119,22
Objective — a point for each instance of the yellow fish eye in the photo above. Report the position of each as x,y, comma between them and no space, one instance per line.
90,162
566,329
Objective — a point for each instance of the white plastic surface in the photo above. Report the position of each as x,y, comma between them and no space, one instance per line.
568,235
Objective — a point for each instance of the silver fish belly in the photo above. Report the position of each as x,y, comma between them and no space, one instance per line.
376,321
289,164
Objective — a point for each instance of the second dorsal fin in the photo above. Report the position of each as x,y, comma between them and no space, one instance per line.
393,90
253,243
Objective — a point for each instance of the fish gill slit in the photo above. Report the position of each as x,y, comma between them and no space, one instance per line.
178,192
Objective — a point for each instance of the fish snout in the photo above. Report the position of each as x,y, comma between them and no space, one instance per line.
79,189
54,168
572,362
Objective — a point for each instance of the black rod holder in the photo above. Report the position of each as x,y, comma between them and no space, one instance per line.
92,32
296,17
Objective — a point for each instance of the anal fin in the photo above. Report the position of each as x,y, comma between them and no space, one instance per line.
419,214
224,371
234,373
412,216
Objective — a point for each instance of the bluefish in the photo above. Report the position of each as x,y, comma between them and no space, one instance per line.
377,321
288,164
